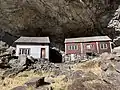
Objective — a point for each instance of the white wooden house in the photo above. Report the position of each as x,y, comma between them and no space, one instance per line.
37,47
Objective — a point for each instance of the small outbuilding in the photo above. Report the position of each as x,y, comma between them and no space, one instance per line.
84,46
37,47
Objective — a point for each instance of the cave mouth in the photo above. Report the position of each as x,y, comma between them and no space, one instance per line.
55,56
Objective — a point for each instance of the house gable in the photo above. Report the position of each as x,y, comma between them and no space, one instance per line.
88,45
87,39
34,50
33,40
33,47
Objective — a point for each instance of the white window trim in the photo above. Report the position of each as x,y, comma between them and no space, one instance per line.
110,46
90,46
97,47
73,47
69,47
104,45
21,52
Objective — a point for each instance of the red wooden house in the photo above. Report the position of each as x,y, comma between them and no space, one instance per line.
87,45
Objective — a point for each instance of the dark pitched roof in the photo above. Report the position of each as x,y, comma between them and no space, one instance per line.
88,39
33,40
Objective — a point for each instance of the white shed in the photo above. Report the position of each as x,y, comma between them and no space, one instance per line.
37,47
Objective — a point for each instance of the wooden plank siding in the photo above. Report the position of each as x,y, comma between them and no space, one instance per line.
78,51
92,49
35,50
82,48
108,49
88,46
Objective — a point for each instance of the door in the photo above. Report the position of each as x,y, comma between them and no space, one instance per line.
43,53
90,47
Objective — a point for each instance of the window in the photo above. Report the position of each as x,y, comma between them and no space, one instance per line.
103,46
76,47
24,51
88,46
69,47
72,47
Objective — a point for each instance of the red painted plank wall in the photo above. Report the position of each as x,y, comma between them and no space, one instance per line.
73,51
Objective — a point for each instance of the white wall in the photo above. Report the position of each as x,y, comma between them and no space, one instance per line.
35,50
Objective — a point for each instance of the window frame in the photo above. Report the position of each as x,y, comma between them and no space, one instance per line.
72,47
24,51
103,46
91,46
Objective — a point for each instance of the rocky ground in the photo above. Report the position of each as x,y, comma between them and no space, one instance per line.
27,73
100,73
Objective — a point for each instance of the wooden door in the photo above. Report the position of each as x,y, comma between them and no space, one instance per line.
43,54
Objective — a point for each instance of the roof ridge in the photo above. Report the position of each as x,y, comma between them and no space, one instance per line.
33,40
87,37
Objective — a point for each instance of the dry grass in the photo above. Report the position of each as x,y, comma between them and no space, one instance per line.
30,88
59,83
20,79
92,65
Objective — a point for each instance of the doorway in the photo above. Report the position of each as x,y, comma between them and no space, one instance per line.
43,53
55,56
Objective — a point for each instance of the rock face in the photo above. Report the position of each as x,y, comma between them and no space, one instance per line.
107,80
114,23
58,19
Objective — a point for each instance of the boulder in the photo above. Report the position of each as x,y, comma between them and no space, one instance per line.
22,60
117,58
44,88
14,63
77,85
84,76
111,77
117,67
4,62
13,71
11,50
105,56
49,79
89,76
4,59
35,82
45,66
104,66
76,74
99,85
56,72
31,59
19,88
